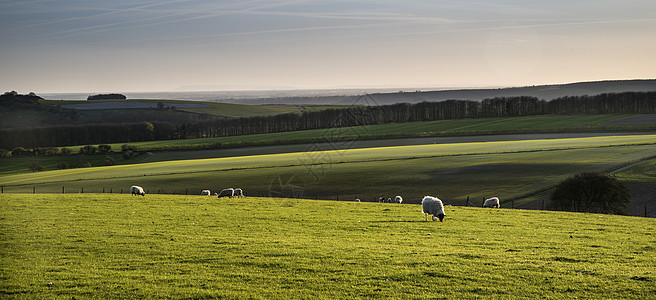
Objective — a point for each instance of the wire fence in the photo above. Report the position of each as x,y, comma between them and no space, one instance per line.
646,209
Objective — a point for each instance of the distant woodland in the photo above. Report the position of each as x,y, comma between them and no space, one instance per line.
107,97
64,135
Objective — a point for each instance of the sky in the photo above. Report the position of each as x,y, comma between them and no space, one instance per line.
60,46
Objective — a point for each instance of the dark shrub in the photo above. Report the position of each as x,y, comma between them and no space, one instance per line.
591,192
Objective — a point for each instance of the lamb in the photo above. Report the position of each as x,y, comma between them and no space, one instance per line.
398,199
492,202
205,192
229,192
137,190
238,193
433,206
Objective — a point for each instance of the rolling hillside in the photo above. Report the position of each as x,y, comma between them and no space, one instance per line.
453,171
545,92
195,247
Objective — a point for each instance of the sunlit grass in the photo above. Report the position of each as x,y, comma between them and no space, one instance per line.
454,171
121,246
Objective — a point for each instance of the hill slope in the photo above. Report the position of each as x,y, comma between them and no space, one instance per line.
546,92
120,246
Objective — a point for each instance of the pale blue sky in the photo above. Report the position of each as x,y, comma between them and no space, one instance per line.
137,45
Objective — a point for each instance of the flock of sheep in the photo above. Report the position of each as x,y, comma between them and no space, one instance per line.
434,206
229,192
429,205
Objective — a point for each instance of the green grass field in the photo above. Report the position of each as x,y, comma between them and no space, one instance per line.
463,127
193,247
450,171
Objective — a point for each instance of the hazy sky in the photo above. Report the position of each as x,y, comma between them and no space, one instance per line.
138,45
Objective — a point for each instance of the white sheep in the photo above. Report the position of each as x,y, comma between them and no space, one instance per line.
229,192
492,202
137,190
433,206
398,199
205,192
238,193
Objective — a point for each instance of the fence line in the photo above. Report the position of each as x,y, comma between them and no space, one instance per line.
647,211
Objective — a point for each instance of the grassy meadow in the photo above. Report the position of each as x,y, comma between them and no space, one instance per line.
451,171
57,246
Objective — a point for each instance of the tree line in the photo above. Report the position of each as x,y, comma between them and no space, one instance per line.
356,115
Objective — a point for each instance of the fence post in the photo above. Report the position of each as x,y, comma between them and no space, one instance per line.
82,190
645,210
121,191
34,189
513,203
63,191
3,189
467,203
157,192
542,204
103,190
110,190
337,197
186,191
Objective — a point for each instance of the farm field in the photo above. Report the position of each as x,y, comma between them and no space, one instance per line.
163,246
200,107
442,128
451,171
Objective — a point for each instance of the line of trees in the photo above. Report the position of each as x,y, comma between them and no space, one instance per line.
358,114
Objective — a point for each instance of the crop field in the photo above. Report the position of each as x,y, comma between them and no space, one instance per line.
57,246
451,171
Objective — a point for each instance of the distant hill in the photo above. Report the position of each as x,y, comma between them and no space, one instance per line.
545,92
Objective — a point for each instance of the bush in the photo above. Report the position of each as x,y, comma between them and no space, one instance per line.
65,151
45,151
591,192
109,161
20,151
103,149
81,161
62,165
34,165
88,150
4,153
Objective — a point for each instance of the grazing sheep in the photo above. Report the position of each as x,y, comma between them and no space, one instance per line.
398,199
356,199
389,200
205,192
492,202
381,199
238,193
137,190
229,192
433,206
